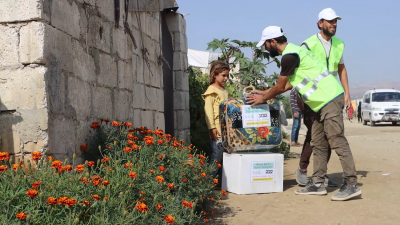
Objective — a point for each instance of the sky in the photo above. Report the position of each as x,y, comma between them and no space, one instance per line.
368,28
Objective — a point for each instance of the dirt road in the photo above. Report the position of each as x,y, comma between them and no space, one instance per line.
376,151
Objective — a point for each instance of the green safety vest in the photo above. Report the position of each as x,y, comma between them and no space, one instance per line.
311,79
332,61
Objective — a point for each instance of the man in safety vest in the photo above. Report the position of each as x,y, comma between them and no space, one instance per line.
320,90
329,50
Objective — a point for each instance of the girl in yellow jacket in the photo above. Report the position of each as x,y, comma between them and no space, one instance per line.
214,95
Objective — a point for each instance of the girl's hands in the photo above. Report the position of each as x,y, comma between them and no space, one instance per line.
214,134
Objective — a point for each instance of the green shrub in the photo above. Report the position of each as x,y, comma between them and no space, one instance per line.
143,177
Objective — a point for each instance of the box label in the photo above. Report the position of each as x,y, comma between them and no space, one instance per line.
262,172
256,116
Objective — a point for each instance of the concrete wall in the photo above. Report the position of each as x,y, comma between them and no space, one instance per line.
65,63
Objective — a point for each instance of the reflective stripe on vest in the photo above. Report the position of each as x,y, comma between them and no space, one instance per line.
306,80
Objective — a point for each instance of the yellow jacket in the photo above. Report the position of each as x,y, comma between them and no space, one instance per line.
212,98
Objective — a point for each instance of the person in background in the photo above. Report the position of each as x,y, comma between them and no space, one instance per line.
350,112
213,96
359,112
297,115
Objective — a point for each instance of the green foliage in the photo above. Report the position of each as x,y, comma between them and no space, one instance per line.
199,134
139,169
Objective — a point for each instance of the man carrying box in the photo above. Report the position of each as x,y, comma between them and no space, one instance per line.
324,95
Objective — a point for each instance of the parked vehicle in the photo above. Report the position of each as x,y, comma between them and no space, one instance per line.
381,105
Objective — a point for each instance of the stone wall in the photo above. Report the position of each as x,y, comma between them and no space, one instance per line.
66,63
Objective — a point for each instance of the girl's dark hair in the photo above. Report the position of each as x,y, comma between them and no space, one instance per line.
217,67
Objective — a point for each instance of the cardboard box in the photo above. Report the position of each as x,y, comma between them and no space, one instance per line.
251,173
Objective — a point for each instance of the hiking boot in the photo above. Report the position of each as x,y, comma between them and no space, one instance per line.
301,177
312,189
330,183
346,192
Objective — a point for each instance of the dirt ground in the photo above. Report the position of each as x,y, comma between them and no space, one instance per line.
376,151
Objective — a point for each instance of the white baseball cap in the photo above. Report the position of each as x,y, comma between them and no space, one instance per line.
269,33
328,14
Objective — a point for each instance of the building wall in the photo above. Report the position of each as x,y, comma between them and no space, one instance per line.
66,63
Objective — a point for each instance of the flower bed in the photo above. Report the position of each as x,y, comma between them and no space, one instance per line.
141,177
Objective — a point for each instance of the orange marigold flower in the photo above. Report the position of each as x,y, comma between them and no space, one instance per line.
15,167
80,168
184,180
132,174
130,142
215,181
87,203
70,202
108,146
141,192
160,157
159,179
106,159
187,204
160,142
169,219
56,164
175,144
4,155
159,132
115,123
142,207
190,156
152,171
219,165
162,169
106,182
84,147
211,212
128,124
36,184
130,136
50,158
203,174
159,206
90,163
149,142
96,197
201,162
202,156
128,165
143,199
3,168
62,200
32,193
51,201
107,120
171,186
135,147
36,156
223,192
148,138
206,220
96,182
204,213
211,198
127,149
21,216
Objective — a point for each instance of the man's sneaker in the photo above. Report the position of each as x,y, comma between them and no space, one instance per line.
346,192
301,177
330,183
312,189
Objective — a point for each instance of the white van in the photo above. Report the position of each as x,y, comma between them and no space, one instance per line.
381,105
